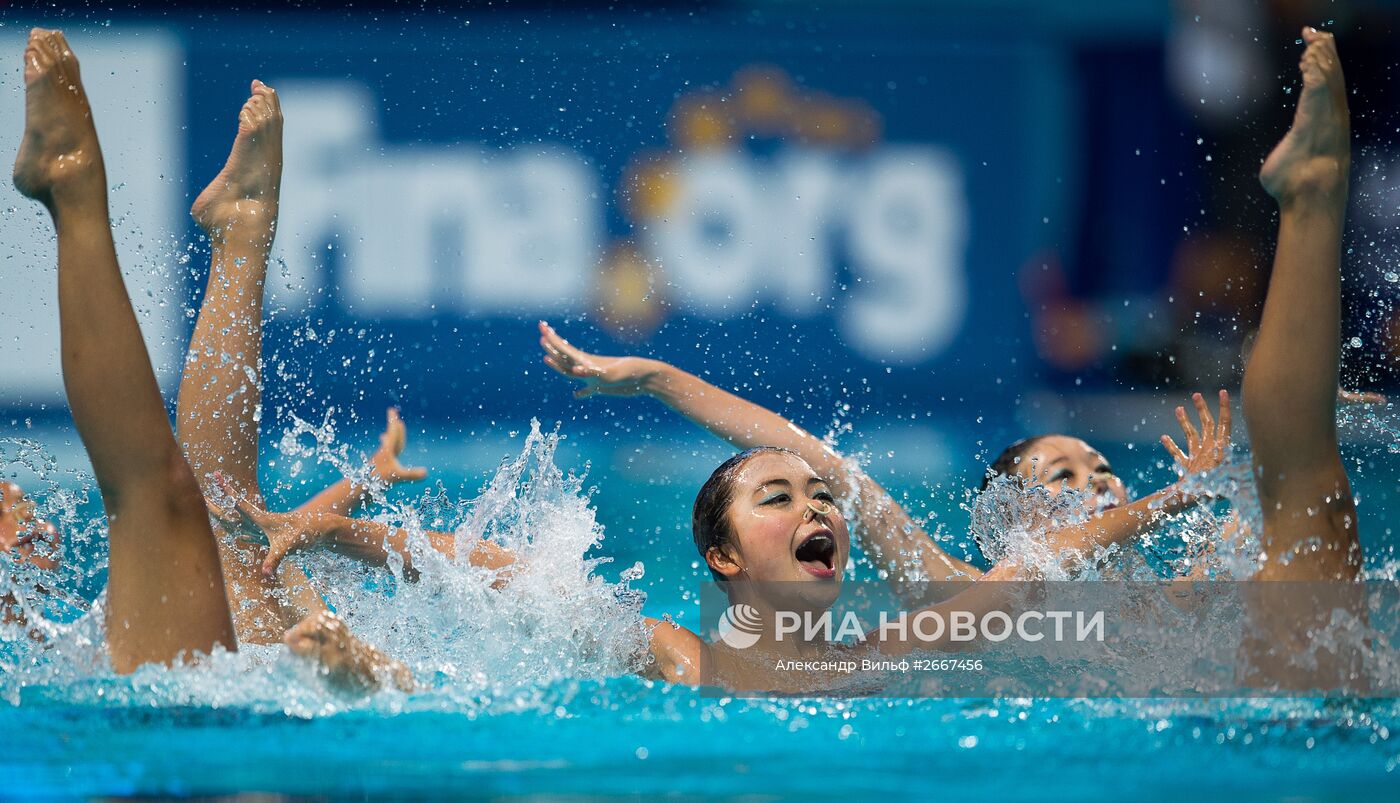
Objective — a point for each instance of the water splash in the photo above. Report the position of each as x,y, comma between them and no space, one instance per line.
554,619
468,643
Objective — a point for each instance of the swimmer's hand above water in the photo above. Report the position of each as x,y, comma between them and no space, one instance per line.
369,542
385,461
347,495
1206,448
283,533
345,660
610,376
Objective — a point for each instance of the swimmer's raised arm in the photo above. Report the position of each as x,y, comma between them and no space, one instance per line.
369,542
889,534
346,496
1206,449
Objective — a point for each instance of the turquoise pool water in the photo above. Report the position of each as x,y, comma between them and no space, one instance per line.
524,700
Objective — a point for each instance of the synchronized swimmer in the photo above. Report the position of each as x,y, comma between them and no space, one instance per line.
183,582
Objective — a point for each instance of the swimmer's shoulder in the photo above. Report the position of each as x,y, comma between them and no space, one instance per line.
678,655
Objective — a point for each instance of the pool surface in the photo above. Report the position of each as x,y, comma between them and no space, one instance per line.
531,695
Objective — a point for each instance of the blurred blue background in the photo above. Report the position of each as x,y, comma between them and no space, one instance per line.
898,201
944,225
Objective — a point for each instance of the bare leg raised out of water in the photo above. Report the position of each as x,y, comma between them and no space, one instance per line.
220,389
165,589
220,393
1290,403
1290,383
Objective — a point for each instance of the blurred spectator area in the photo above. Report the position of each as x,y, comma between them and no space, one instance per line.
1154,275
1157,280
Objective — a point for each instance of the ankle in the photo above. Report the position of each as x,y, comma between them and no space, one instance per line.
1310,200
71,206
77,185
1317,184
240,222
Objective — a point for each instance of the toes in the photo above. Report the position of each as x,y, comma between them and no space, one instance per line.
262,107
44,45
61,42
268,95
33,65
254,113
58,53
50,44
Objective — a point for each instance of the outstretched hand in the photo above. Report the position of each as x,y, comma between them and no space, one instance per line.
385,460
282,532
1207,447
611,376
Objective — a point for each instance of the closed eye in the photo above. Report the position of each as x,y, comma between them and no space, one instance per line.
774,499
1062,475
825,496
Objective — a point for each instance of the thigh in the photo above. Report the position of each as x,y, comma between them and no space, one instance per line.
165,587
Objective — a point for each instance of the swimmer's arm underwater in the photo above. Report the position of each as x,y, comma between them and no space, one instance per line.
889,534
346,497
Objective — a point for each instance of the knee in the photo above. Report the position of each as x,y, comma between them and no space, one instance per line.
182,491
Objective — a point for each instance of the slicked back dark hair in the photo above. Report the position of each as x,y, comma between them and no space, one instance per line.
709,518
1010,457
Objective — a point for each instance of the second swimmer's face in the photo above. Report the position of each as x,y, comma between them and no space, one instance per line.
1057,462
786,523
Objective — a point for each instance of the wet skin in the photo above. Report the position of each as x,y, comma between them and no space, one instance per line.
773,518
1059,462
32,540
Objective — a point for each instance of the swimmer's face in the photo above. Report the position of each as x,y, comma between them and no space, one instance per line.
1057,462
33,540
778,533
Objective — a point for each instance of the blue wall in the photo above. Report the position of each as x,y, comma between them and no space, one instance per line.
927,158
811,207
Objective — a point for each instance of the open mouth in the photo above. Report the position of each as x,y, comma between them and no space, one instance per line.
1102,503
817,554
